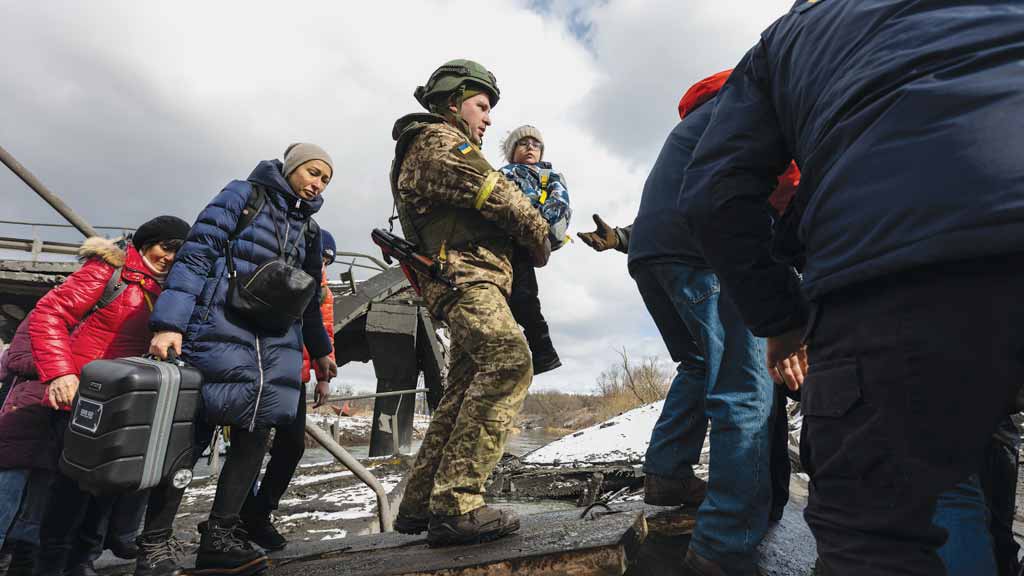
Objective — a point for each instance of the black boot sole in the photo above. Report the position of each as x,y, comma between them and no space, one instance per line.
411,525
450,537
253,567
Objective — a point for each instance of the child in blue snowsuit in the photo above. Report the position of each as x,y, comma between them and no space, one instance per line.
524,149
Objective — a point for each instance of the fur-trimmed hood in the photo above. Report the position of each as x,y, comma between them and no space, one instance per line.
108,250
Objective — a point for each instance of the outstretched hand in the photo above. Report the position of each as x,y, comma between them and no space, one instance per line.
601,239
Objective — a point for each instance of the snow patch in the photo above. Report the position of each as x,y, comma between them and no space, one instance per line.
621,439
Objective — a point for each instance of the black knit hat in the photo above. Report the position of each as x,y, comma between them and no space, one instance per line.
160,229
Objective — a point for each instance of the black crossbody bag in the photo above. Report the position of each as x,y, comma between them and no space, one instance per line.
274,296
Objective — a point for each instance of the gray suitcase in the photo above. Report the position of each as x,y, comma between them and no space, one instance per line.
132,425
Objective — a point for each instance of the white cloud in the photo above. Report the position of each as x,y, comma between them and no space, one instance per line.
130,109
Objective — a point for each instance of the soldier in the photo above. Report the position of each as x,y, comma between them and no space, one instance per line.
459,210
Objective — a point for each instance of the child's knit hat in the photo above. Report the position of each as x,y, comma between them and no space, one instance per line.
513,138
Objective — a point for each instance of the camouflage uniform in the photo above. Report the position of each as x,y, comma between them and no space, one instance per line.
490,361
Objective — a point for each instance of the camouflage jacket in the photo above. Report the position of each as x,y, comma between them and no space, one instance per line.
441,167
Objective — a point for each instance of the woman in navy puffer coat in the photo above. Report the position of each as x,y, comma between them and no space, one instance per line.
251,379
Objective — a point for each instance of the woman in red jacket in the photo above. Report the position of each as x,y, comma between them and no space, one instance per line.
72,326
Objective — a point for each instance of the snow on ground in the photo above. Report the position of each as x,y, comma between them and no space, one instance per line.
621,439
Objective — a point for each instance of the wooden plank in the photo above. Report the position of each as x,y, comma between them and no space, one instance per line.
550,543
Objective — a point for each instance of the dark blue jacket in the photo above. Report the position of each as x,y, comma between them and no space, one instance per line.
250,379
905,118
659,231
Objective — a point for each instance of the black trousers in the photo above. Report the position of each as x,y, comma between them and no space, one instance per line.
241,467
285,453
524,301
779,467
909,376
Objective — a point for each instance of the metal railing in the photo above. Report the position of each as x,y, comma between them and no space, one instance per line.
333,399
360,471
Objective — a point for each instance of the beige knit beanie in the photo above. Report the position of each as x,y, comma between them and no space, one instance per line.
301,152
524,131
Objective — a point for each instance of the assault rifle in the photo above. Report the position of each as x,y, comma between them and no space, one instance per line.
409,258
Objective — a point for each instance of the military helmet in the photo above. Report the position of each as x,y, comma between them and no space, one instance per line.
455,75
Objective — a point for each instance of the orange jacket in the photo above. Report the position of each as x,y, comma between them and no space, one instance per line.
327,313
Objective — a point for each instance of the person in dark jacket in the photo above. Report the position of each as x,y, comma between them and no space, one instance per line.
290,441
720,377
902,116
69,327
251,378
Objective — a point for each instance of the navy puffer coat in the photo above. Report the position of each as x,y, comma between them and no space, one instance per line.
250,379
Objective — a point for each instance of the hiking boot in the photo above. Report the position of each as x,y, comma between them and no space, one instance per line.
481,525
158,554
84,569
123,550
223,552
667,491
411,523
261,531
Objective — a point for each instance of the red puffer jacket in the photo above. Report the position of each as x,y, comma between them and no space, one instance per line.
62,343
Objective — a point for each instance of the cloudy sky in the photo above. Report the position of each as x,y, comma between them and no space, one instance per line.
130,109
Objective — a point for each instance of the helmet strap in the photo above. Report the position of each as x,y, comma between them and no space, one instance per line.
457,98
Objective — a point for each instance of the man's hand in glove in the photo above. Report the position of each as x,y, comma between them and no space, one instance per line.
604,238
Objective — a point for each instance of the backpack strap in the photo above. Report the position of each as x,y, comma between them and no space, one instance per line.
545,181
114,288
253,204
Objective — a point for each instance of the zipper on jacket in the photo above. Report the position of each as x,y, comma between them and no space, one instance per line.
259,391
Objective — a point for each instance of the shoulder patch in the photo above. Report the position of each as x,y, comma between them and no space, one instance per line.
472,156
808,5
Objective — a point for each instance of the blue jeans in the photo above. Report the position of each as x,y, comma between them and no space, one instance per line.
721,379
968,549
12,486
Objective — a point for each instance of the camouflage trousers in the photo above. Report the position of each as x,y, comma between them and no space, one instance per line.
489,375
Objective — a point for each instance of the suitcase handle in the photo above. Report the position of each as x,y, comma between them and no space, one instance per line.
172,357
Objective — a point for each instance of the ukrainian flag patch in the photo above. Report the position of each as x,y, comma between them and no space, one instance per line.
464,148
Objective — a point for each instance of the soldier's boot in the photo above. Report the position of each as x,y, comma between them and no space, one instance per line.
481,525
223,552
666,491
411,523
158,554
